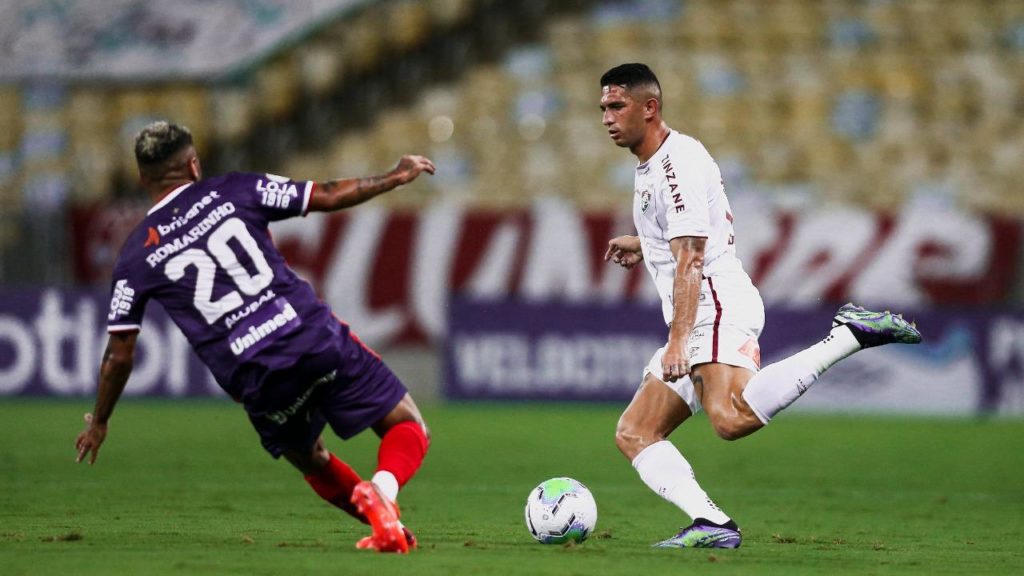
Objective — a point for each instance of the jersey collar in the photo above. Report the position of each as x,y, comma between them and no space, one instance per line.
168,197
660,146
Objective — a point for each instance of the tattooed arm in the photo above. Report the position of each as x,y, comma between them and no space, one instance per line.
115,369
345,193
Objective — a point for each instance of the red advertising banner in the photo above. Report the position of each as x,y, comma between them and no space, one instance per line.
391,273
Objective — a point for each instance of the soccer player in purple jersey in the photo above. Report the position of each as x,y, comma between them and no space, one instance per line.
204,252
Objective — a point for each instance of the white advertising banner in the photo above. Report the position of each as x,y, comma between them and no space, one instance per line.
137,40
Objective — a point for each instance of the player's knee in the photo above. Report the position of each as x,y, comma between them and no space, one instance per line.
624,441
320,457
426,436
727,432
309,462
631,441
730,428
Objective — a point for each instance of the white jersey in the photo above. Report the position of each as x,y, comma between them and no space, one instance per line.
679,192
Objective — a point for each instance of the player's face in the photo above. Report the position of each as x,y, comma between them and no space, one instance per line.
622,116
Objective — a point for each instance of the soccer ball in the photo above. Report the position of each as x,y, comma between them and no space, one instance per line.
560,510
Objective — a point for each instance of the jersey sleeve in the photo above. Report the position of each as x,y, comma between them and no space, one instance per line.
127,299
685,196
279,197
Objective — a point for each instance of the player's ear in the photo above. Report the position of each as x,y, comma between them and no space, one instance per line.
145,176
651,108
195,170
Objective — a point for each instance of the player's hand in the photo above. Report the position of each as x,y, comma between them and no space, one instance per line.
674,362
624,251
409,167
89,440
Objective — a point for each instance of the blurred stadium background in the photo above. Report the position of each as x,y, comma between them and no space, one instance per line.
872,150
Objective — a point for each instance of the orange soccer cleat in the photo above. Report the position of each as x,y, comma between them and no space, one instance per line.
389,535
366,542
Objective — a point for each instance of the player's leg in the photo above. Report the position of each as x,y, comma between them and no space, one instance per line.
376,398
405,439
369,395
328,476
656,410
309,461
720,389
724,353
404,443
641,435
289,424
779,385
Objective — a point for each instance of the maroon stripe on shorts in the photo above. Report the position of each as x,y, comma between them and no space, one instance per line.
718,320
356,339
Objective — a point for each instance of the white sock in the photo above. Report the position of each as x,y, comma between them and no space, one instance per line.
664,470
387,483
778,385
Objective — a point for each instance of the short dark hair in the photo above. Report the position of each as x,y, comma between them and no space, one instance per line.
159,141
632,75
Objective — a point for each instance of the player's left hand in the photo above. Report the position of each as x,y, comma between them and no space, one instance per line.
624,251
90,439
411,166
674,362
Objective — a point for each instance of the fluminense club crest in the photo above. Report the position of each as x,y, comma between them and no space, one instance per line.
645,200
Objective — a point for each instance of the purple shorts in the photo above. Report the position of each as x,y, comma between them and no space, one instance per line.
346,386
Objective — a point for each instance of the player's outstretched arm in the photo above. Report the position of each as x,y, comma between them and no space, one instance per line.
624,251
345,193
117,365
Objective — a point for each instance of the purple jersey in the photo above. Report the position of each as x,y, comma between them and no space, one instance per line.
205,253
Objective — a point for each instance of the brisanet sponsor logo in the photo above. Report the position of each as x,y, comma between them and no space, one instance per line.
196,232
180,221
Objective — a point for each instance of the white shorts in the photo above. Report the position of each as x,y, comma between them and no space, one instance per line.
730,317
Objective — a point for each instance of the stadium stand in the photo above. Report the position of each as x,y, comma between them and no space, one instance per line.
879,104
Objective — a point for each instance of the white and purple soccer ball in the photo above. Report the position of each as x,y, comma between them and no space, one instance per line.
560,510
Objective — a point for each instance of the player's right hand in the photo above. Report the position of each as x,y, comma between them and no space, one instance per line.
674,362
624,251
411,166
90,439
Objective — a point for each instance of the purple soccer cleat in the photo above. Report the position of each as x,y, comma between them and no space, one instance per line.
876,328
705,534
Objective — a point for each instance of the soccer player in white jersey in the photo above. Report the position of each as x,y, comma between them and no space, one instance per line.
714,313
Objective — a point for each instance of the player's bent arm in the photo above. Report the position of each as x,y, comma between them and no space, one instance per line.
689,254
345,193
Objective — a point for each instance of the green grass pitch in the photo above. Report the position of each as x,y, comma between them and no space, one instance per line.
182,487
